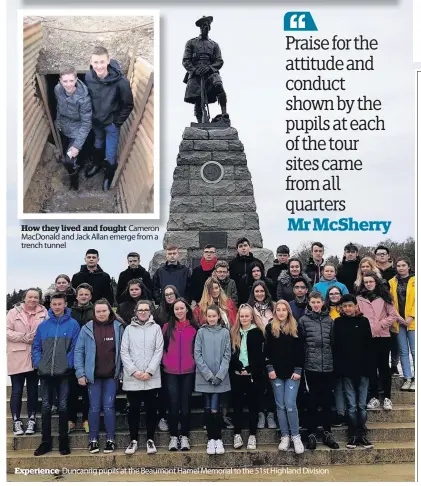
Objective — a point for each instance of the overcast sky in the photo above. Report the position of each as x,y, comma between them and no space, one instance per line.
253,48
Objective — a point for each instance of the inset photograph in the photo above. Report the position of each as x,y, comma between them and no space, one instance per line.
89,133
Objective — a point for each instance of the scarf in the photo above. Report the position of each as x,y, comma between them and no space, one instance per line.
369,294
301,305
207,266
136,320
402,287
261,307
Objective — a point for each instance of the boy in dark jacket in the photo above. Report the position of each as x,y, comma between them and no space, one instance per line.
240,269
353,351
300,302
281,263
82,312
315,263
228,285
201,273
92,274
52,355
112,103
347,271
171,273
134,270
316,329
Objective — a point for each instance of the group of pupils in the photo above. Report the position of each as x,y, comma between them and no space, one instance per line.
324,340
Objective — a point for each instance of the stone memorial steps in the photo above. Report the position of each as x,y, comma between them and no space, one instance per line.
265,455
378,432
399,414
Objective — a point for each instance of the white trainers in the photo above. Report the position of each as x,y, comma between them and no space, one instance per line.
298,444
163,425
173,445
412,389
184,443
132,447
373,403
30,427
210,449
271,421
238,441
150,447
387,404
284,444
406,385
17,428
261,420
251,443
219,447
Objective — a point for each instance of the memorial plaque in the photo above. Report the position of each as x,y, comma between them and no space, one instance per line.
218,239
212,172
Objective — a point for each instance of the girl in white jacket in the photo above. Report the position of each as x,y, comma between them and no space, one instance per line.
141,354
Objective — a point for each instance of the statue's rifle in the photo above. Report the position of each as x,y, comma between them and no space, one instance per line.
204,100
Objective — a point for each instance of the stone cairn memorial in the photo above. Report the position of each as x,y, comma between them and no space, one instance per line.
212,198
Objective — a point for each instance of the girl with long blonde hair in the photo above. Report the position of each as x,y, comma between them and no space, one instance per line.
213,294
367,264
284,358
247,372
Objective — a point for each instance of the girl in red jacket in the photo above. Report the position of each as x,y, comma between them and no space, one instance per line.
375,302
179,368
213,294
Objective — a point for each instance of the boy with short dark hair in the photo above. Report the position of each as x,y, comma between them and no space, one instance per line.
228,285
52,355
133,271
347,271
281,263
240,269
112,103
353,351
83,312
316,329
300,302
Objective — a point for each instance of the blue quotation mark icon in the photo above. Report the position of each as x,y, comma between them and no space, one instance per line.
299,21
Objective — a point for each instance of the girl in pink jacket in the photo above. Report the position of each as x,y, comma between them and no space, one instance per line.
22,322
375,302
179,370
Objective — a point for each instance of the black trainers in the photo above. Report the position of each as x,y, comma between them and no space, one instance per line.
93,447
339,420
366,443
330,441
109,447
352,443
63,446
43,448
311,442
394,371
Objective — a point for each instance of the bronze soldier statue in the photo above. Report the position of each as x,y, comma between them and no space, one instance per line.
202,59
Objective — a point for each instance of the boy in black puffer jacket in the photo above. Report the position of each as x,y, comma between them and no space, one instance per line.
316,329
352,352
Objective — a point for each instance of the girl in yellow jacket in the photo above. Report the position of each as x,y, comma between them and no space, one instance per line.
402,288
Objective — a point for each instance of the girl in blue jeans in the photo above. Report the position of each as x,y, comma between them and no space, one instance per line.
98,366
402,289
284,356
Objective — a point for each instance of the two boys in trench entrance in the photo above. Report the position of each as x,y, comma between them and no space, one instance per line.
102,103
